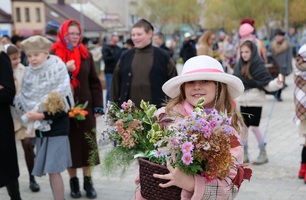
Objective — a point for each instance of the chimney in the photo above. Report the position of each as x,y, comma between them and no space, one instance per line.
61,2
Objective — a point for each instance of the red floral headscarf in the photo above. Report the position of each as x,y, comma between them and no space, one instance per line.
66,51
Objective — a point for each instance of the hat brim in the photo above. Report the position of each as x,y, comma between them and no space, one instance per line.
234,85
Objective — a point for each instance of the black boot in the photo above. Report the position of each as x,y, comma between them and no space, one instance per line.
75,188
88,187
13,190
33,185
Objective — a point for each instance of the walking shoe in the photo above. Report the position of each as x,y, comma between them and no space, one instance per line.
75,188
302,171
88,187
262,158
34,187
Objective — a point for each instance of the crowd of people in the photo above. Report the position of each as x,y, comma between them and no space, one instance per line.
43,77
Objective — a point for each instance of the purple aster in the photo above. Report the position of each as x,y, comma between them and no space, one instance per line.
227,129
207,111
214,112
158,153
228,121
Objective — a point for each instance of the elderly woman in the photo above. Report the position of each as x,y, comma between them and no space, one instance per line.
86,86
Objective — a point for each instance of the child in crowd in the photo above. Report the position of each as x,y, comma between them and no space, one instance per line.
47,73
203,77
300,103
9,170
20,131
256,78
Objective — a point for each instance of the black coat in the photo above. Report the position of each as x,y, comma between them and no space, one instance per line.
8,155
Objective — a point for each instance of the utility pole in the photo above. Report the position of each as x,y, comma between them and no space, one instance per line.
286,16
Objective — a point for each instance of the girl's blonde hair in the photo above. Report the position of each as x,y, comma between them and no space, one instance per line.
223,103
204,39
54,103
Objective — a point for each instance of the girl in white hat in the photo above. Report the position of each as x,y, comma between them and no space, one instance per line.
203,77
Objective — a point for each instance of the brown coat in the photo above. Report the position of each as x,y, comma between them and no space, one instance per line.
90,90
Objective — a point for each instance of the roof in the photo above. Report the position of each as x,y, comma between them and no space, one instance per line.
68,12
5,17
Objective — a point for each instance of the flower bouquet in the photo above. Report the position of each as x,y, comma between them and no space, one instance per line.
134,133
78,112
200,144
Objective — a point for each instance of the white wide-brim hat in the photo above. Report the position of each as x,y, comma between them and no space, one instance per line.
203,68
302,52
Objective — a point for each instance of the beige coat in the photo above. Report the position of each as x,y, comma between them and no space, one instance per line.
20,133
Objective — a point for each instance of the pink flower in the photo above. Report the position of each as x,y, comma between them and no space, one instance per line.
213,123
187,147
207,131
175,143
187,158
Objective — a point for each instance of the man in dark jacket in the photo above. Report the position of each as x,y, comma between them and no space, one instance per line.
111,53
9,170
142,70
188,49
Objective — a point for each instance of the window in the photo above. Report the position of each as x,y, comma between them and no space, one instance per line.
133,19
18,19
37,12
27,14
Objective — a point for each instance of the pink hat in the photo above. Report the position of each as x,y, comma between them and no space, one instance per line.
203,68
245,29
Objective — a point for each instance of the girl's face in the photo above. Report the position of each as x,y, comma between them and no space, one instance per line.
74,35
140,37
15,59
197,89
211,40
245,53
37,58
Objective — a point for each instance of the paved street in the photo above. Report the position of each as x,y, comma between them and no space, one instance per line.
276,180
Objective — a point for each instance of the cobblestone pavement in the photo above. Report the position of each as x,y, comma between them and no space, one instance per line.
276,180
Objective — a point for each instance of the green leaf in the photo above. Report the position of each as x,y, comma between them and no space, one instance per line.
85,105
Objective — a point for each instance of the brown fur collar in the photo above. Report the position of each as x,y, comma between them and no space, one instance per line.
279,48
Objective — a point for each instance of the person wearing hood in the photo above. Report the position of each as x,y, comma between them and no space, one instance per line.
256,79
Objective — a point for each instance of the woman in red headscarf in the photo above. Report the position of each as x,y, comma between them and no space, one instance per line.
86,87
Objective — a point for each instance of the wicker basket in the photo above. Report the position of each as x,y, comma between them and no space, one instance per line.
149,185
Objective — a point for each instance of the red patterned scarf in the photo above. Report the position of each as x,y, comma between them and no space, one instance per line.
300,92
66,51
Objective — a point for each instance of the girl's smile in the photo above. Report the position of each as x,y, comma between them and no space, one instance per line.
200,89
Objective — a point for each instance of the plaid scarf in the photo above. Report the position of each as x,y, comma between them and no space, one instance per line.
300,93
